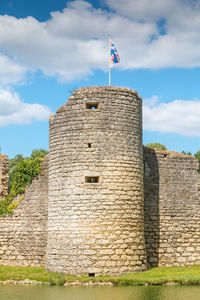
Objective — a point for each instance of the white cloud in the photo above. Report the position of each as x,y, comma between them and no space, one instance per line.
14,111
178,116
145,10
73,42
10,71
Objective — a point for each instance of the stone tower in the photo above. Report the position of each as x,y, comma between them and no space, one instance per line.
95,214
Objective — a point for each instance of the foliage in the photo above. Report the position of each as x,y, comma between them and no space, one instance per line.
13,162
186,152
22,171
197,155
38,153
156,146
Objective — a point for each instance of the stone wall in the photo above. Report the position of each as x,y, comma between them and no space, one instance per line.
172,208
95,215
23,234
3,176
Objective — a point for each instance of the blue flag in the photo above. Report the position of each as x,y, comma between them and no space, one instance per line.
114,56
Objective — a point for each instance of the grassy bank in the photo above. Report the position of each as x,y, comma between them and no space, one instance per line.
155,276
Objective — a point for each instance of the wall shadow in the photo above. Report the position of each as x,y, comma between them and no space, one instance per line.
151,206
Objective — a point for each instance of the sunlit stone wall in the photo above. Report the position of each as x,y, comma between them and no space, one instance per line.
172,208
95,212
23,234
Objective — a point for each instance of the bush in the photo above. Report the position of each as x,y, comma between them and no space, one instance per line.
156,146
21,174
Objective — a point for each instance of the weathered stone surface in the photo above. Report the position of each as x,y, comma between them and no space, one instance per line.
89,222
23,234
172,208
3,176
99,227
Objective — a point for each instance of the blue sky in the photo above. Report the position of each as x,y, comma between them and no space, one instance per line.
49,48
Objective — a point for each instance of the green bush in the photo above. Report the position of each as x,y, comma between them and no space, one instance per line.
156,146
197,155
22,171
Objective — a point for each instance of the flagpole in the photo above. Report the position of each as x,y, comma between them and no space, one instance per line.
109,65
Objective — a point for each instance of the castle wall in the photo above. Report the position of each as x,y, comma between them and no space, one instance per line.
172,208
23,234
3,176
97,217
96,227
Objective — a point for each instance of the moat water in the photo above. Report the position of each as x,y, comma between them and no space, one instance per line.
99,293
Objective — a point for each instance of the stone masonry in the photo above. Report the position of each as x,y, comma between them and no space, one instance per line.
91,210
95,215
23,234
3,176
172,208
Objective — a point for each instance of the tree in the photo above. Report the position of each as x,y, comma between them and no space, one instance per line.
186,152
18,160
22,171
13,168
197,155
38,153
156,146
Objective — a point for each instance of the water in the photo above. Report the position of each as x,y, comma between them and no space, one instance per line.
99,293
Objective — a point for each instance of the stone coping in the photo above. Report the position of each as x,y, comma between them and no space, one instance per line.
170,153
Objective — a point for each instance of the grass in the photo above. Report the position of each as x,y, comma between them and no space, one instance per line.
189,275
156,276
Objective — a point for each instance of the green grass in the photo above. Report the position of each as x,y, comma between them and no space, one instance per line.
163,275
155,276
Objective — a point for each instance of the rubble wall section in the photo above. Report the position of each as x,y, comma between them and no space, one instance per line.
172,208
23,234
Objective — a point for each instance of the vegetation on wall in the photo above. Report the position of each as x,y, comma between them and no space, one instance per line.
186,152
197,155
156,146
22,171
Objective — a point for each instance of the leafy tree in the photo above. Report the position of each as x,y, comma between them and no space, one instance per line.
197,155
38,153
22,171
156,146
13,162
186,152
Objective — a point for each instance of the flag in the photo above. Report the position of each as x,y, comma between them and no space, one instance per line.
114,56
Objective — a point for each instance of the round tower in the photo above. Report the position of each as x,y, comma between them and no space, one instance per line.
95,214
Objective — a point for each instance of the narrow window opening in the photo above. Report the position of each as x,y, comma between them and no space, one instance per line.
92,106
92,179
165,155
89,145
91,274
